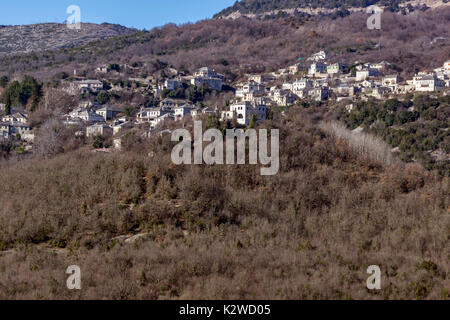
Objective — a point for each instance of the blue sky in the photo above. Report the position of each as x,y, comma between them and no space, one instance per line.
131,13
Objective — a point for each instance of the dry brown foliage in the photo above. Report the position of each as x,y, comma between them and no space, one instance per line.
224,232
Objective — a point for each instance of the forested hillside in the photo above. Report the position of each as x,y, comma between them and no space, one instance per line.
415,127
142,228
243,45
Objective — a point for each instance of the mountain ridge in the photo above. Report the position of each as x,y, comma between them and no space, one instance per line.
17,39
261,8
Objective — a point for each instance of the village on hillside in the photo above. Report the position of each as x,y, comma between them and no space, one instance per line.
316,79
210,162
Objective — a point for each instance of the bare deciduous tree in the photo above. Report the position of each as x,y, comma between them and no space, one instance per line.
50,138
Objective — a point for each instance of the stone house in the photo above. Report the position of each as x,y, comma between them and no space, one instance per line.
102,69
16,117
391,80
381,92
99,129
252,87
319,94
172,84
6,130
285,98
149,114
294,69
208,77
256,78
198,112
20,128
317,68
363,74
170,104
213,83
244,111
182,111
86,115
428,83
206,72
119,126
335,68
301,84
84,86
109,113
155,122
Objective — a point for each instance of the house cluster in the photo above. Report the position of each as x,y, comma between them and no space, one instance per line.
84,86
172,109
249,103
16,125
371,81
203,77
322,80
106,120
317,80
206,76
97,119
243,109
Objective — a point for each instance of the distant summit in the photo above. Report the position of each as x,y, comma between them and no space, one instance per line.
49,36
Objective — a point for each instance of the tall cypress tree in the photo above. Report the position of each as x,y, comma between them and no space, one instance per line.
8,105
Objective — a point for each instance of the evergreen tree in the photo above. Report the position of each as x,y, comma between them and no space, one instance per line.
98,141
8,106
